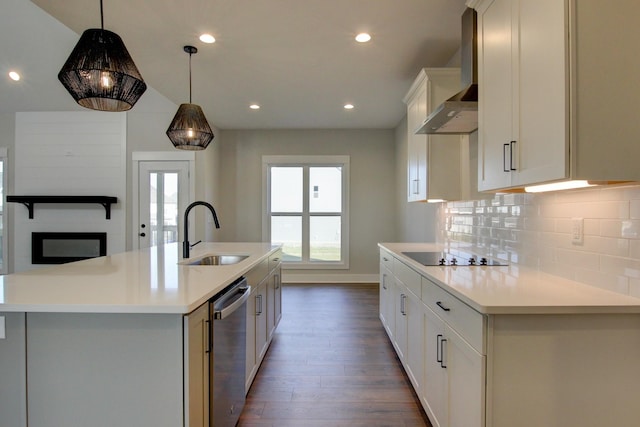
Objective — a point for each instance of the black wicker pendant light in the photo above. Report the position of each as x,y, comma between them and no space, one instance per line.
100,74
189,129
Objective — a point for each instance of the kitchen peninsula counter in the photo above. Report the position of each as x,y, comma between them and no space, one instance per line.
153,280
514,289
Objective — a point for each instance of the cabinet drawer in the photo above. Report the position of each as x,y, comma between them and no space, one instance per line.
257,273
467,322
386,259
408,277
274,259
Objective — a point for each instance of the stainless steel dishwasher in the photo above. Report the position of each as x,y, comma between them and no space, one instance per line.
228,358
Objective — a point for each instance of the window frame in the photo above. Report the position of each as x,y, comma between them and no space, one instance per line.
307,162
4,158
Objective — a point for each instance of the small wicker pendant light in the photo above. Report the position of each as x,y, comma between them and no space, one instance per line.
189,129
100,74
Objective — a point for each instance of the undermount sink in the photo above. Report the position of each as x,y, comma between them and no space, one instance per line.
219,260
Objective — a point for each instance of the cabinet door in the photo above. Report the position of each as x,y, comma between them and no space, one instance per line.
387,301
274,302
270,305
541,112
252,316
261,321
415,341
197,326
495,107
417,146
277,306
465,382
435,375
400,341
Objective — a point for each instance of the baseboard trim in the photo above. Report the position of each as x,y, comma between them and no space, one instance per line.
329,278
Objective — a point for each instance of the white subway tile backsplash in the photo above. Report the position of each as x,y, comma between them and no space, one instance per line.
535,230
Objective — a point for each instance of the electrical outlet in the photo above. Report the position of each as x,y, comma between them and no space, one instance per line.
577,231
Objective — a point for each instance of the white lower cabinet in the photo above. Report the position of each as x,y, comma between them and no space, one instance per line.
440,342
465,379
453,392
470,369
433,397
197,347
264,311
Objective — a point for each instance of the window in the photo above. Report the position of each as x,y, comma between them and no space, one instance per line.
306,209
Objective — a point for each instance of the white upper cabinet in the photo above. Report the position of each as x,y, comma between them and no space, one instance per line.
435,162
557,92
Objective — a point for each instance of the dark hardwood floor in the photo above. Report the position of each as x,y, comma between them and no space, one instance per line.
331,364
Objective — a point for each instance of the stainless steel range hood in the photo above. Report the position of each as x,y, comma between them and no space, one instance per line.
459,114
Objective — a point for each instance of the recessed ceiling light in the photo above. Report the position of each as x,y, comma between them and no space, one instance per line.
349,107
207,38
254,106
14,76
363,38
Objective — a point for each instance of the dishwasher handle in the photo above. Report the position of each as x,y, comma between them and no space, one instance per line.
229,302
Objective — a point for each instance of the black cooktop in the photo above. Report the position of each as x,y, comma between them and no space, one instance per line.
461,259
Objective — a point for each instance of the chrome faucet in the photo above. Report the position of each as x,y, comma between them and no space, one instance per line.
185,244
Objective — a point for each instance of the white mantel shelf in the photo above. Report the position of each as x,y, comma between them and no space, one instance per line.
515,289
150,280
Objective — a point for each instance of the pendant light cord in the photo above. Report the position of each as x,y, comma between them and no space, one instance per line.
101,16
189,76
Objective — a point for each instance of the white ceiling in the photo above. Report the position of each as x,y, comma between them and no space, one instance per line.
296,58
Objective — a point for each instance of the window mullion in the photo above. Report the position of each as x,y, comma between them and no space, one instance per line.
305,215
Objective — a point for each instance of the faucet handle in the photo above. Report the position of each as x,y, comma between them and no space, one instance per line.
191,246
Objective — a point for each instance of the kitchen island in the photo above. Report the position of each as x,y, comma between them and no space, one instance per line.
106,341
503,346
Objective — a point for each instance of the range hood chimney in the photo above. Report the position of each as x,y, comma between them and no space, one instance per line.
459,114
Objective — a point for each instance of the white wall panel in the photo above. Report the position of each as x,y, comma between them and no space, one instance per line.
69,153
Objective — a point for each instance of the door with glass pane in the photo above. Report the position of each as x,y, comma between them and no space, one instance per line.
164,194
306,213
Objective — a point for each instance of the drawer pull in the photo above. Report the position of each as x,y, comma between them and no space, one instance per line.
385,259
439,304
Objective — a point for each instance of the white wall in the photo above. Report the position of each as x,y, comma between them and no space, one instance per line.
69,153
372,207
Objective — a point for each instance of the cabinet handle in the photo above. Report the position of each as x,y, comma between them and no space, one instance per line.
402,297
416,186
385,259
209,336
277,279
384,282
511,151
442,348
439,304
438,355
258,305
505,148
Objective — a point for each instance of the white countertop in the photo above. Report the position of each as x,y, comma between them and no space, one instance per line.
144,281
515,289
